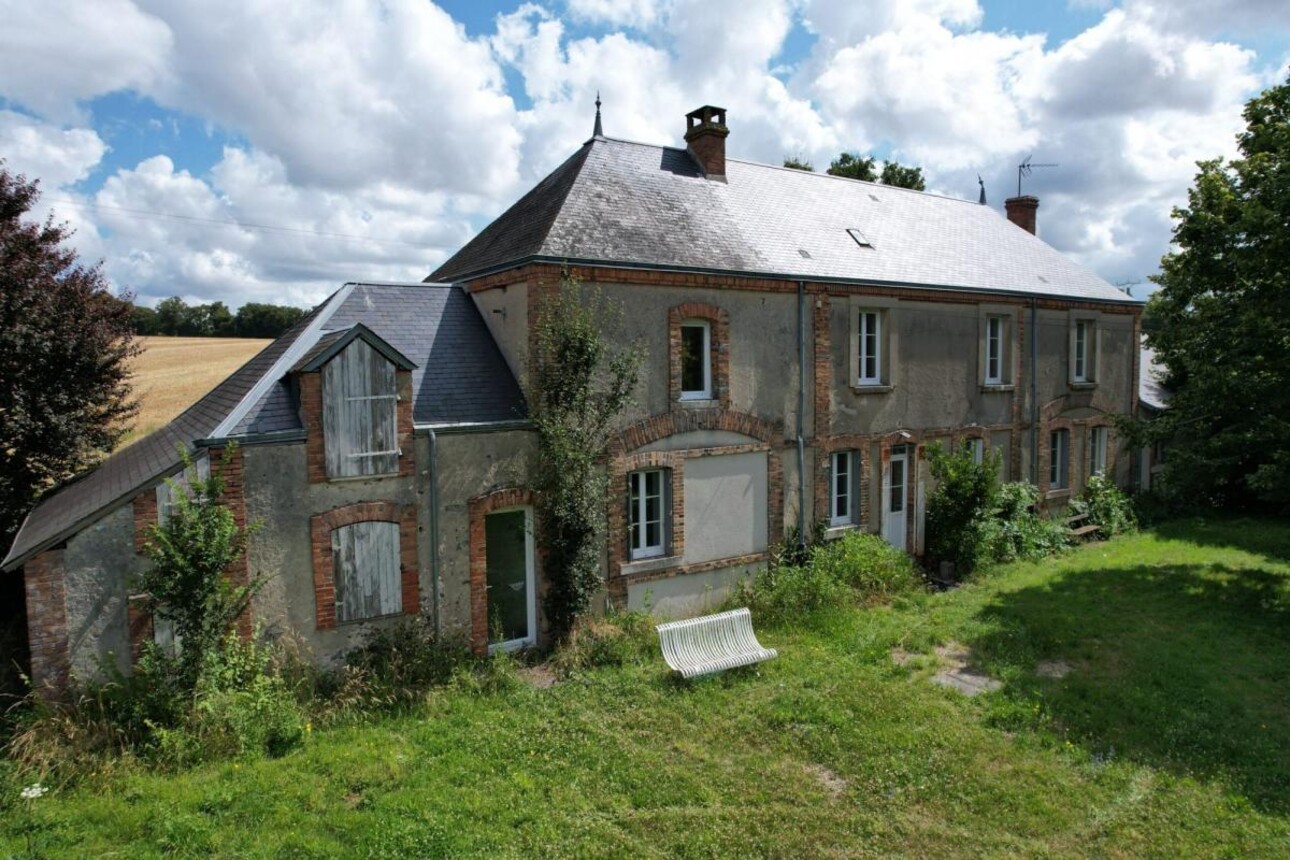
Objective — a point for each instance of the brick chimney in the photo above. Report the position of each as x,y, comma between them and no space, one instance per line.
705,138
1021,211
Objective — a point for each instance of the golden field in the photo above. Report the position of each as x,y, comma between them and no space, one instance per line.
172,373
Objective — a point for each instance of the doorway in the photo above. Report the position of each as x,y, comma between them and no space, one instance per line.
512,606
893,498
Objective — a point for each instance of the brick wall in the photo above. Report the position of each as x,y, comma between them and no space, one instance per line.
45,586
324,565
480,507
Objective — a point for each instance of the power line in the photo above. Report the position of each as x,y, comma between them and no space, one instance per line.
231,222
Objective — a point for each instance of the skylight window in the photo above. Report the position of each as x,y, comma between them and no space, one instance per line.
805,253
861,239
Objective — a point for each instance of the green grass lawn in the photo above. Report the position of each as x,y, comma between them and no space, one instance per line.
1170,737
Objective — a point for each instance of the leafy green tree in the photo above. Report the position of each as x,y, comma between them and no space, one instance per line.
853,166
902,177
1220,324
960,509
65,346
186,581
219,320
261,320
145,320
580,386
797,162
173,316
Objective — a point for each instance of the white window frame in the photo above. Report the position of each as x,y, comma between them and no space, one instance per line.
1084,343
976,445
1098,442
995,326
180,482
847,494
869,317
706,392
637,513
1059,459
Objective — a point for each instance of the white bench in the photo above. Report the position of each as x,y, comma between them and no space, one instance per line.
712,643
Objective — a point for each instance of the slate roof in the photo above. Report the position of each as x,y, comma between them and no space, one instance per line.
460,378
1150,392
620,202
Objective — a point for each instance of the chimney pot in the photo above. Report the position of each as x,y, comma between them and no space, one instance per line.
1021,211
705,138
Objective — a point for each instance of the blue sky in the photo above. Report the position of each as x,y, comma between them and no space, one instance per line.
352,140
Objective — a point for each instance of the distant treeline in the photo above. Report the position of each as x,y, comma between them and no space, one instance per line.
177,317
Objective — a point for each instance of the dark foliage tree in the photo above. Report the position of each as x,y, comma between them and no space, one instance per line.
174,317
261,320
145,320
65,343
901,176
581,383
797,162
853,166
1220,323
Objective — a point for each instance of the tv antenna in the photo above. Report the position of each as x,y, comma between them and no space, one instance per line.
1024,168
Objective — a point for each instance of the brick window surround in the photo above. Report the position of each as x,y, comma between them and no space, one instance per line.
479,508
311,414
321,527
718,321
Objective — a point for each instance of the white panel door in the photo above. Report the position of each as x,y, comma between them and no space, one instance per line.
894,481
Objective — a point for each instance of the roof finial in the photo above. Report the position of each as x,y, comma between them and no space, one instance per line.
981,182
598,131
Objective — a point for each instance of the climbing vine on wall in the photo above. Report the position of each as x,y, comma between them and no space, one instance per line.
580,385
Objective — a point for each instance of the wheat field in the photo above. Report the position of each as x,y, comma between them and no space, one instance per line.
172,373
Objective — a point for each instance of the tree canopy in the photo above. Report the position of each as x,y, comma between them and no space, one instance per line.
174,316
1220,322
855,166
65,343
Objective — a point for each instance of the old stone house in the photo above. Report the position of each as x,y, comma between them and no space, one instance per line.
807,337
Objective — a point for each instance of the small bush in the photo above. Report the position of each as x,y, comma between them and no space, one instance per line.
868,564
1107,506
853,569
959,509
616,639
1018,532
395,666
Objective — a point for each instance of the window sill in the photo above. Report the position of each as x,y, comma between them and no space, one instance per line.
697,402
1062,493
997,387
1083,386
650,565
346,479
835,532
868,388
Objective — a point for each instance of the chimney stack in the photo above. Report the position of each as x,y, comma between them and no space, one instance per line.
705,138
1021,211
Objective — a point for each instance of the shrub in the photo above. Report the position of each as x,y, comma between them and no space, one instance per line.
616,639
855,568
868,564
959,509
1017,532
1107,506
395,666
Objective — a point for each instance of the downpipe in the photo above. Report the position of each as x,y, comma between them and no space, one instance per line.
434,527
801,410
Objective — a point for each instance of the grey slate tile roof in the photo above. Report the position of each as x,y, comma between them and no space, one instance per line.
643,205
460,378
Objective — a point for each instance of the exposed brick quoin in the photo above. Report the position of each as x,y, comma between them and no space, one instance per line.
478,509
145,515
719,346
46,595
234,497
311,417
324,565
822,375
139,628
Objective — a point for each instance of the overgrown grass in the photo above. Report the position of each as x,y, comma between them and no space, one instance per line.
1170,737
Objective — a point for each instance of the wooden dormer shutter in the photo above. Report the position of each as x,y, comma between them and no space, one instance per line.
360,413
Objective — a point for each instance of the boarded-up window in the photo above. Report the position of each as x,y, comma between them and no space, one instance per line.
366,565
360,413
181,483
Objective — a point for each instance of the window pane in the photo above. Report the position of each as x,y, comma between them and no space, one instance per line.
897,502
841,486
694,359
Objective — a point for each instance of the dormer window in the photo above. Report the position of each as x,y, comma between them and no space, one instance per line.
360,413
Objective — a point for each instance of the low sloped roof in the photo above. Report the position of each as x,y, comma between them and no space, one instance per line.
460,378
629,203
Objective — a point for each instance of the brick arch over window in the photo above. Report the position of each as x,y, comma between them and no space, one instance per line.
321,527
661,426
479,508
719,346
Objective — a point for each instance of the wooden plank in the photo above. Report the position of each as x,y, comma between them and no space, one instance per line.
366,569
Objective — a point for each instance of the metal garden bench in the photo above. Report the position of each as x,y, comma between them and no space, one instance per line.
712,643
